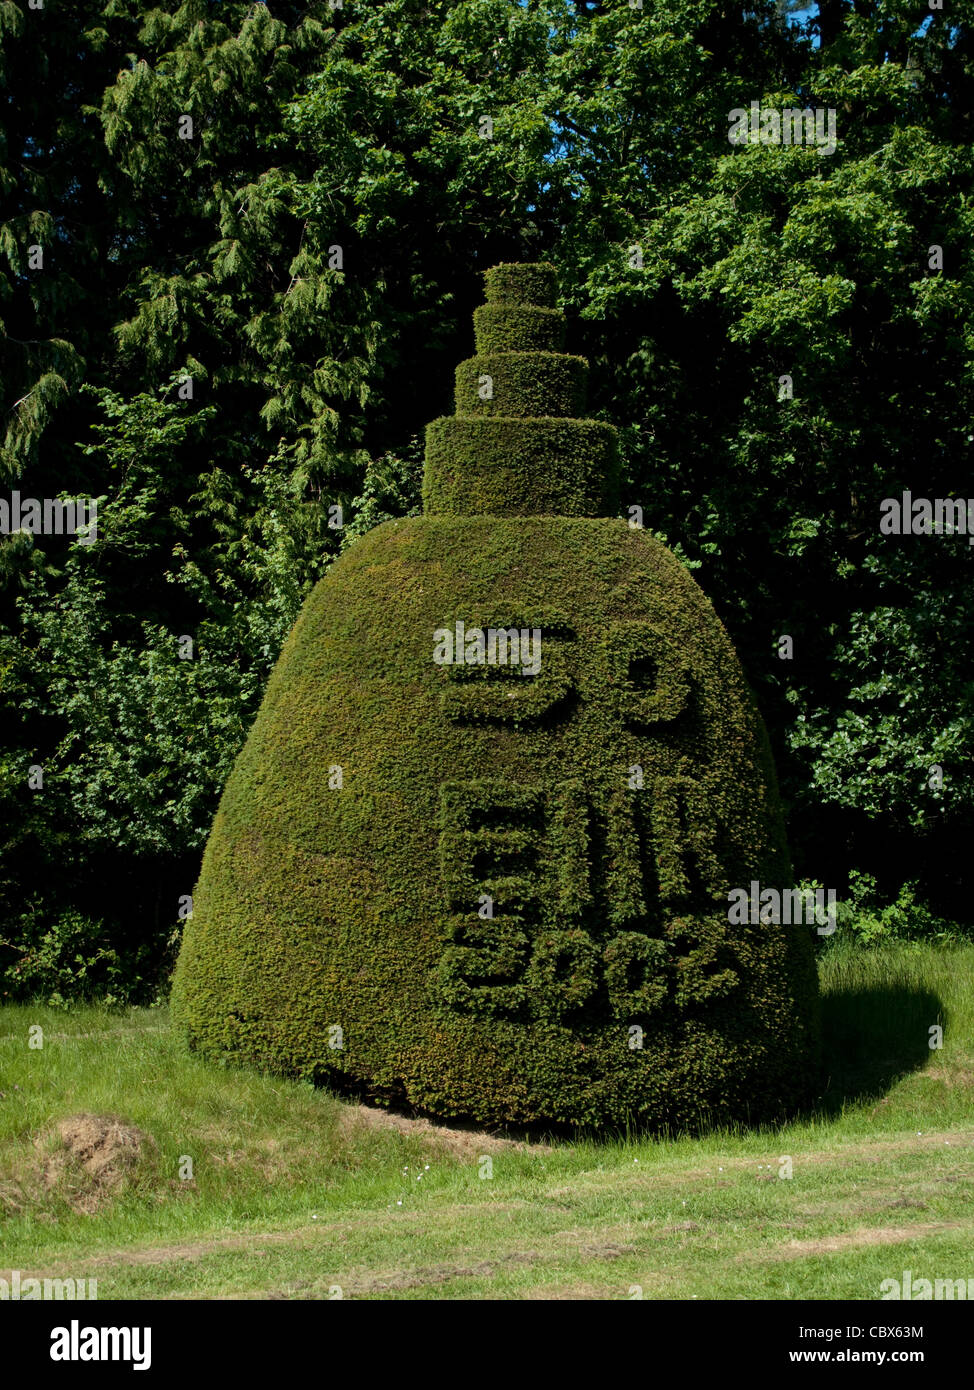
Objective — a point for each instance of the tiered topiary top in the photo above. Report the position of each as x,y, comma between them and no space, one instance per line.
515,446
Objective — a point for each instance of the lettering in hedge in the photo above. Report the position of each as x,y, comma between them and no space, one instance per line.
528,853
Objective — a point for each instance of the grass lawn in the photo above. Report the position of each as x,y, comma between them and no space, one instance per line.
295,1193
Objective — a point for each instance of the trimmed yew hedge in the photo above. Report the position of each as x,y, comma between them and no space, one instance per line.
521,383
522,283
495,894
520,450
520,467
518,328
357,907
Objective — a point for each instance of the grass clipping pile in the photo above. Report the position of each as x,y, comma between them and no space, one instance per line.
85,1162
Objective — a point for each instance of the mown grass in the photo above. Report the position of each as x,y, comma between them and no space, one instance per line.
296,1193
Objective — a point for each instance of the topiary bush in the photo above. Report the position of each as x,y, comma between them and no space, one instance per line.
521,384
498,888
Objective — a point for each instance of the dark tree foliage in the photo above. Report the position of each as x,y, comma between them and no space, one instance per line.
260,232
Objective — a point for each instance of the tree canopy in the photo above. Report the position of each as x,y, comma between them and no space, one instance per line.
239,249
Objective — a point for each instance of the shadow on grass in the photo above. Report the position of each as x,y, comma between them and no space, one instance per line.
874,1032
872,1035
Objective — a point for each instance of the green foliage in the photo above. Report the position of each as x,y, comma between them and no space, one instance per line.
55,306
67,960
522,383
574,909
767,262
289,938
504,327
391,488
135,721
900,746
506,463
253,301
142,730
516,466
309,257
863,919
522,283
